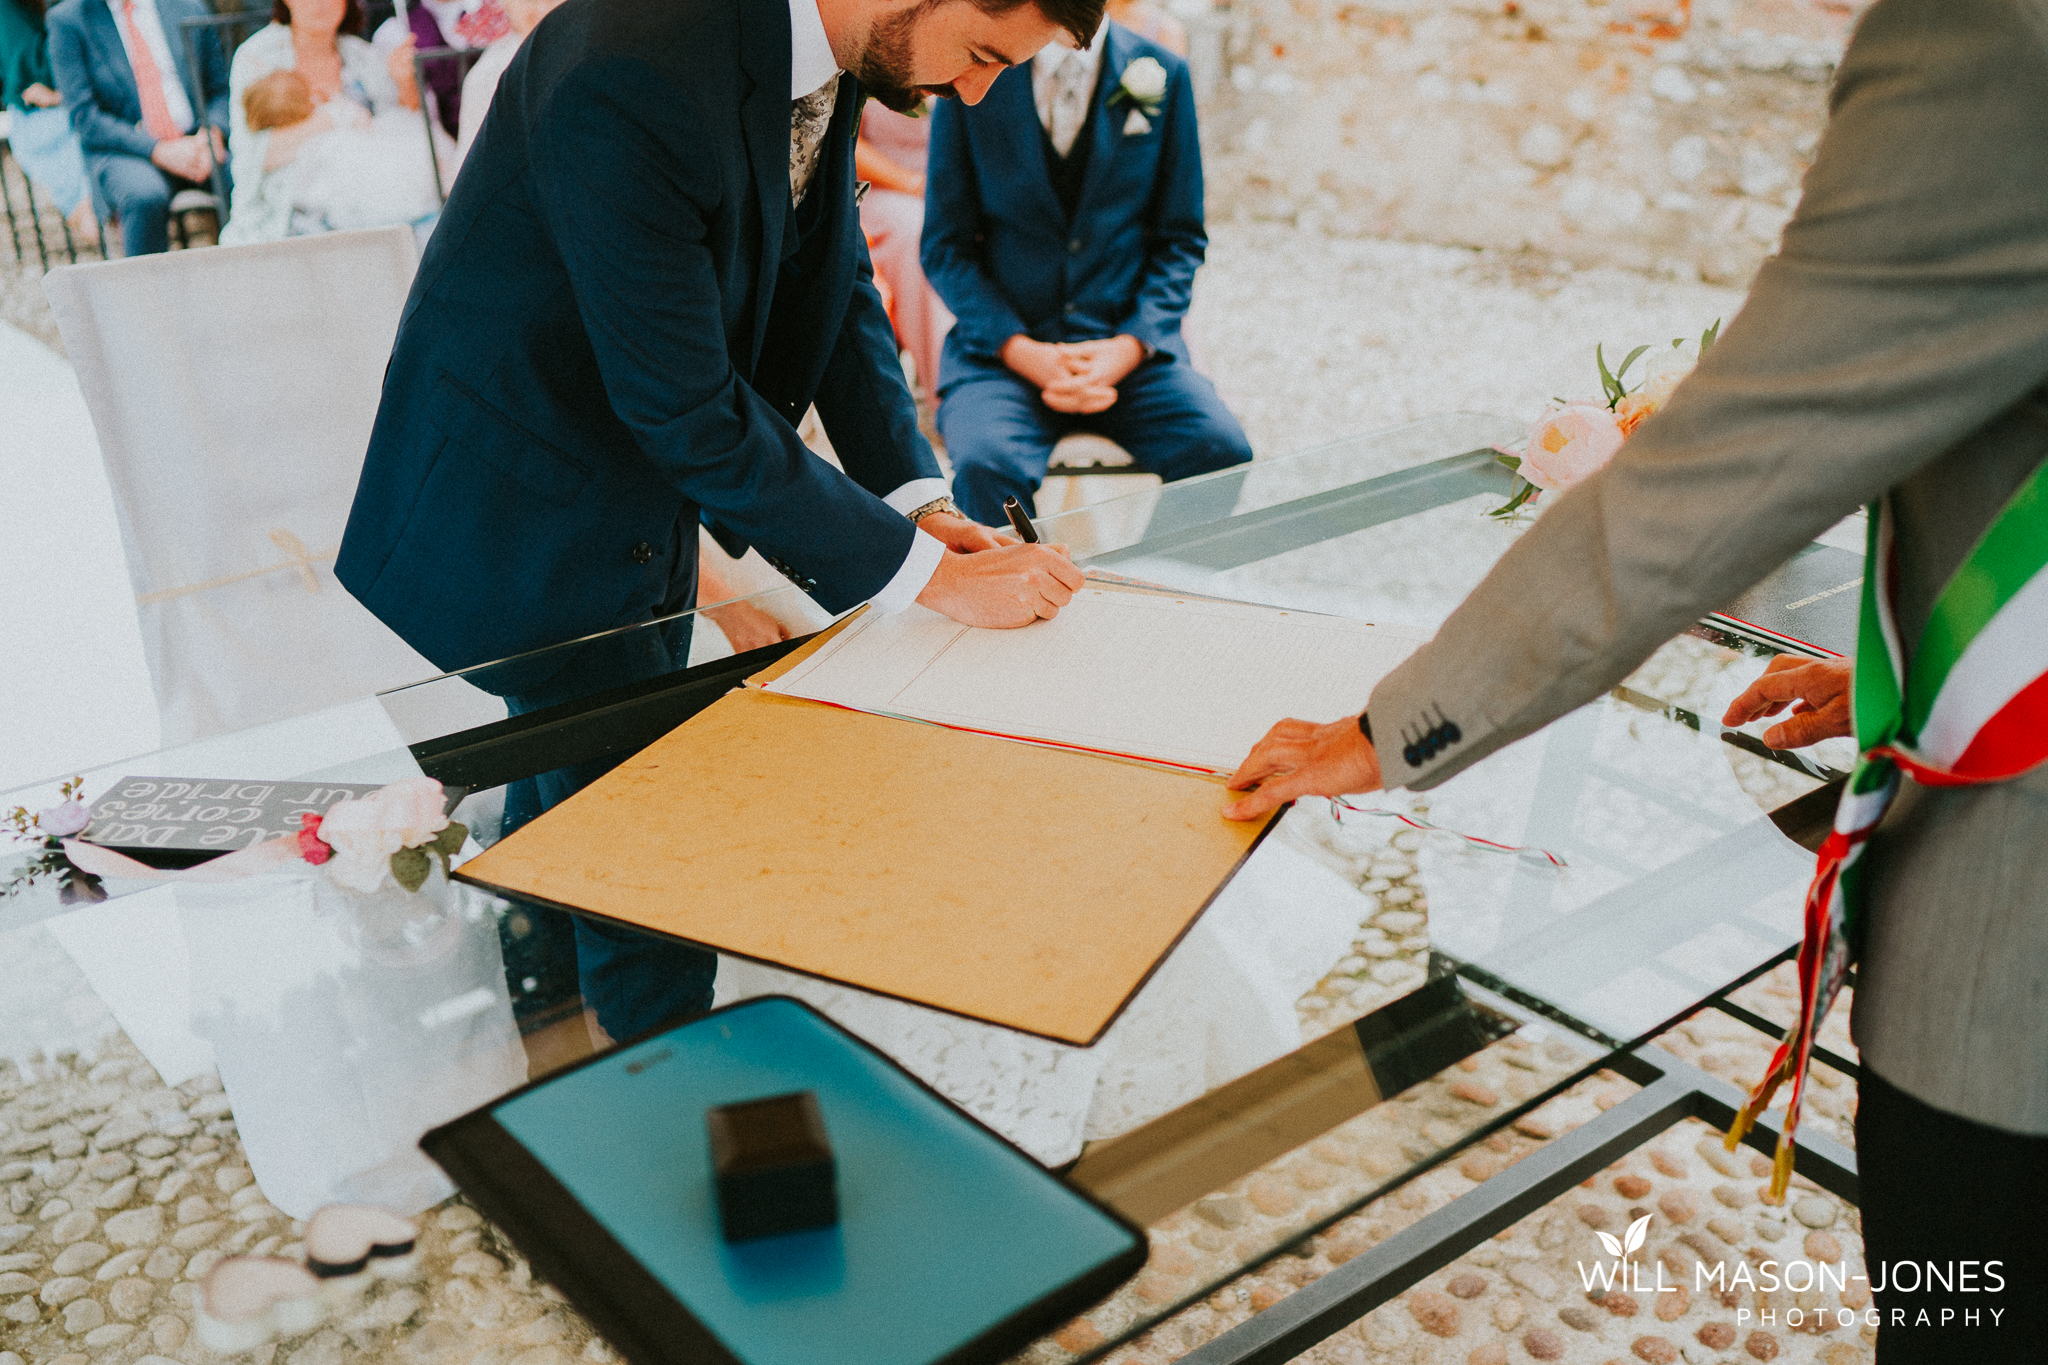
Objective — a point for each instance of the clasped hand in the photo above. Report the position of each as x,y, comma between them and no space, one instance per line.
1078,377
191,157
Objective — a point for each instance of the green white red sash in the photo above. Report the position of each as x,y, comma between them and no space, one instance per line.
1972,708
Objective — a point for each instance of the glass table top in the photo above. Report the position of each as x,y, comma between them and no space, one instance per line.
1263,1084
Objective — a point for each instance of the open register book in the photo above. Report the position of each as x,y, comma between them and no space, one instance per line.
1016,826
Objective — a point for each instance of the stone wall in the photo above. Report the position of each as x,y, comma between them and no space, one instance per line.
1578,130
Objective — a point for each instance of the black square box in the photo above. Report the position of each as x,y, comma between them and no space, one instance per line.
772,1161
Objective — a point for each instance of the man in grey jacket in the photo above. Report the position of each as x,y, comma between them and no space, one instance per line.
1898,343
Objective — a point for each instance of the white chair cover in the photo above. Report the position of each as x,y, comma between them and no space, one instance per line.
233,390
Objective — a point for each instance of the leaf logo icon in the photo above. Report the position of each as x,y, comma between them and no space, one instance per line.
1607,1240
1637,1233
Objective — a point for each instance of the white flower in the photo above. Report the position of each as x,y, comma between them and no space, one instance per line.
1144,80
1664,371
364,833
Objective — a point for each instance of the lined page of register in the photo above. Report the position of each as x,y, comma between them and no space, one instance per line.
1175,680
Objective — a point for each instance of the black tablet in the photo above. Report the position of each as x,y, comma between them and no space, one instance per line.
951,1244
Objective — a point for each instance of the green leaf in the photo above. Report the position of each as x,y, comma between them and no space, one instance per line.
1608,383
1511,509
1510,461
1632,355
448,842
1710,336
409,867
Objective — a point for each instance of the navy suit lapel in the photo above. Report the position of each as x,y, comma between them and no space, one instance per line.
764,117
111,55
1013,112
1108,123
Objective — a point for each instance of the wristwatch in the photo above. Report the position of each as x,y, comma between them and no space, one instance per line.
932,509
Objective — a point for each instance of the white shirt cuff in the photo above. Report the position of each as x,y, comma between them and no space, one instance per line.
916,494
926,550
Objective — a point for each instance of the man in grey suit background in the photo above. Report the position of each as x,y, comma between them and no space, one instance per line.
1898,345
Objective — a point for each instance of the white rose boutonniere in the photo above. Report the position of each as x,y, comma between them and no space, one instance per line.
1141,87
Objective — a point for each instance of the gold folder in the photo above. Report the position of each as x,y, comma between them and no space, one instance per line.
1030,887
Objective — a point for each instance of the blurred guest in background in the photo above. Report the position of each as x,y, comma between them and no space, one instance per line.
891,157
460,24
121,71
359,173
1064,228
1151,22
482,81
40,134
350,86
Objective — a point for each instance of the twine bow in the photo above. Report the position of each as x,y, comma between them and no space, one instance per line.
296,559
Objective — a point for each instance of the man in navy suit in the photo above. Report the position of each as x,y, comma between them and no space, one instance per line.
1063,227
126,81
650,267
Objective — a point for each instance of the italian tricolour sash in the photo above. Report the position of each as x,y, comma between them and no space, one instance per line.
1972,708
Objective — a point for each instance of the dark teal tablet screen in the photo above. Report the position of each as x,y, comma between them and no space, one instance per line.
943,1230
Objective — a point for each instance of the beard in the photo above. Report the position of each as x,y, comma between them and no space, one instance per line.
883,66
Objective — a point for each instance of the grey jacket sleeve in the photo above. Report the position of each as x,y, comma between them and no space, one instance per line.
1907,308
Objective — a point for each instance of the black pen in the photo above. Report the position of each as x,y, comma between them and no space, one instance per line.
1019,522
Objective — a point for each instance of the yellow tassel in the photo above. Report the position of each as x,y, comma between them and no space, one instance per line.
1781,1170
1759,1100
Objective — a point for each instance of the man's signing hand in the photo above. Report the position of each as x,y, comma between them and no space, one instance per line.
1012,585
1817,690
958,533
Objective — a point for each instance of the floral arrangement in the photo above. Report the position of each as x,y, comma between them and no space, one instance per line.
1575,439
400,829
1141,89
56,822
50,827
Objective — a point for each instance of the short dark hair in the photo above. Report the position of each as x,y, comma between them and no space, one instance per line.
351,16
1078,17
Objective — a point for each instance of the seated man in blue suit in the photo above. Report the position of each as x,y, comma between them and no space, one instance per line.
1063,227
123,72
650,267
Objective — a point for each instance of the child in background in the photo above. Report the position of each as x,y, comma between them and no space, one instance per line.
359,171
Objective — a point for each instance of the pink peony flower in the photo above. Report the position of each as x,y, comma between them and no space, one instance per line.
65,820
364,833
1567,445
312,847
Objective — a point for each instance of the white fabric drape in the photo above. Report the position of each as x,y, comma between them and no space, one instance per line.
233,391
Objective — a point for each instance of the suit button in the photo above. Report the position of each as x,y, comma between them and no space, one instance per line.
642,553
1073,308
1074,247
